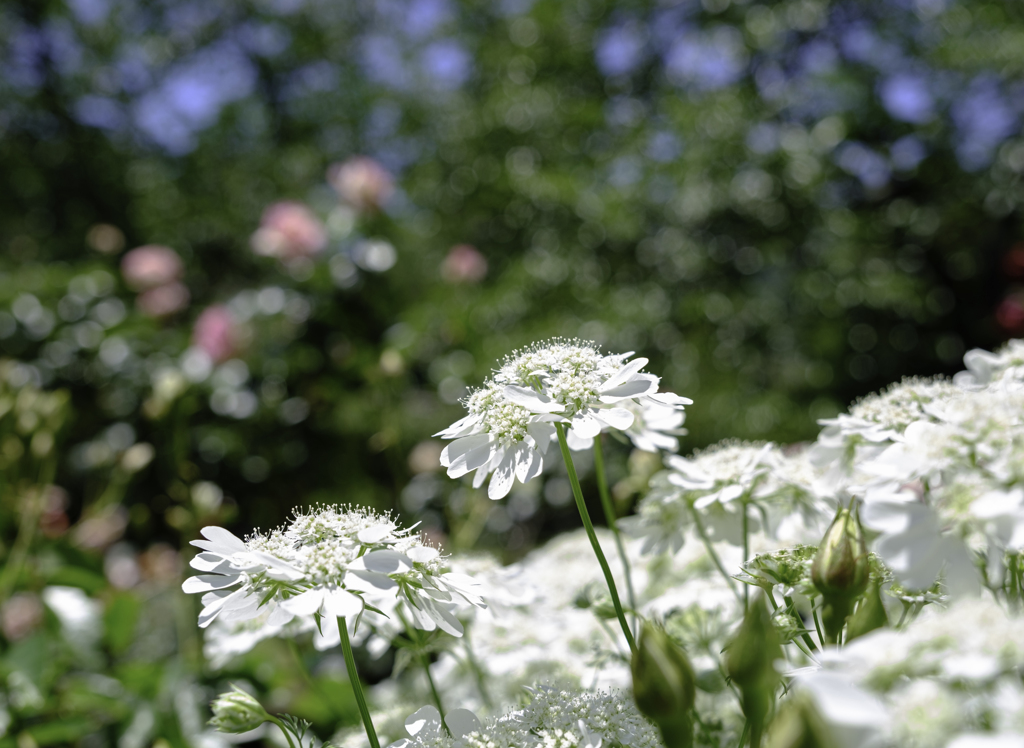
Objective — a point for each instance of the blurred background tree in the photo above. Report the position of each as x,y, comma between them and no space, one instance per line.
784,206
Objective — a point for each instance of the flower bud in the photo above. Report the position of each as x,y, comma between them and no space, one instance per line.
841,565
750,662
840,570
236,711
870,614
664,685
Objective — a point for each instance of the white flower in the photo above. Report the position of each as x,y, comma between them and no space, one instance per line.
510,422
552,719
590,391
950,675
499,437
985,368
329,562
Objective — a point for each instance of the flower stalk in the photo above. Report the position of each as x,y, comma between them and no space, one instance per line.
589,526
357,688
611,519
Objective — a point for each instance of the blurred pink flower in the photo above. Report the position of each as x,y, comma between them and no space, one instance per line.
20,615
289,230
151,266
164,300
1010,313
216,333
361,182
464,264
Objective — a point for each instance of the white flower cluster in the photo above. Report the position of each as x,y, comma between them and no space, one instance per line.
331,562
553,718
713,487
953,675
511,418
937,466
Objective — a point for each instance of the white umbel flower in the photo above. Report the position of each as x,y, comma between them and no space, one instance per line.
553,719
589,391
511,418
330,562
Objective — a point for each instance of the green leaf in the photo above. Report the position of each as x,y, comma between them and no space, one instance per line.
120,621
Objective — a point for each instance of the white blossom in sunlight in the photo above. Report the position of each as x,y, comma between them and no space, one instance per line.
985,367
878,420
708,486
591,392
553,718
952,673
330,562
510,423
497,438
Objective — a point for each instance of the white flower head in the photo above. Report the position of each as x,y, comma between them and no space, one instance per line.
553,718
589,391
510,421
330,562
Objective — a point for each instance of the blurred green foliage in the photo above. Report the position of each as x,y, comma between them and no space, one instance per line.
784,206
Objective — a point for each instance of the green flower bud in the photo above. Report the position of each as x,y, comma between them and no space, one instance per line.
840,570
798,725
664,685
236,711
750,662
870,614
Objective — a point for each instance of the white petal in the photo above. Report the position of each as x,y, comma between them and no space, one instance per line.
223,538
670,398
342,603
370,581
617,418
642,384
375,534
624,374
422,554
542,433
207,582
585,426
462,722
534,402
305,604
576,444
385,562
523,462
426,720
474,459
445,620
503,478
210,562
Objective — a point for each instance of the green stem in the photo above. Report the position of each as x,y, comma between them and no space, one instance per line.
30,511
805,636
478,672
610,518
589,526
357,688
287,734
743,735
817,626
711,552
421,655
746,552
425,661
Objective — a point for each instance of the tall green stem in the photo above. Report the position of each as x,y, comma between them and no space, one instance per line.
357,688
711,552
746,551
284,730
589,526
610,518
